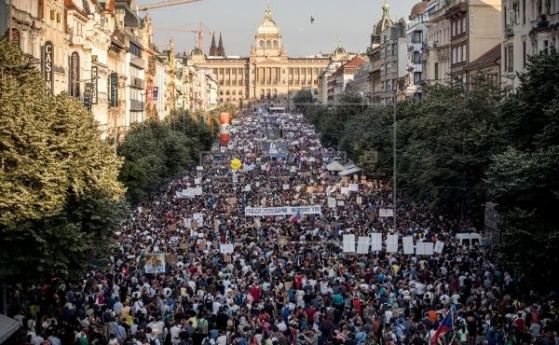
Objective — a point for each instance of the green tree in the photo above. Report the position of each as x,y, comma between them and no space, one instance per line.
57,178
302,99
522,180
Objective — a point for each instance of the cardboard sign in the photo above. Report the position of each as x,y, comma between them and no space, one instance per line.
385,212
359,200
154,263
439,246
391,243
226,248
408,245
349,243
332,202
376,241
363,244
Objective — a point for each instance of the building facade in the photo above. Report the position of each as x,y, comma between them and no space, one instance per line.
437,52
417,41
339,80
528,28
268,73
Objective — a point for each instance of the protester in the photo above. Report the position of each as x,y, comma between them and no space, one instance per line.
285,279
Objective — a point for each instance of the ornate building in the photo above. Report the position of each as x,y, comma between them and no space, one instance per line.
268,73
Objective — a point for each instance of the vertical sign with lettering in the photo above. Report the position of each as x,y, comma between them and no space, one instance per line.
48,59
87,95
114,89
75,74
94,84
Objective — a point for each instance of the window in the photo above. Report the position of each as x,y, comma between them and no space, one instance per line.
262,44
436,71
416,57
135,50
523,11
509,58
275,44
417,37
417,77
268,44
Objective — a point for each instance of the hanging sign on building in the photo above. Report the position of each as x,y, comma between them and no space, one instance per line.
75,74
155,93
114,89
48,58
88,95
94,83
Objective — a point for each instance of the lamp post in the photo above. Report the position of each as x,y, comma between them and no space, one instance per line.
394,158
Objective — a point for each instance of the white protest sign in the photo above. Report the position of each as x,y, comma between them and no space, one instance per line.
187,222
199,218
341,203
332,202
198,180
408,245
285,187
363,243
282,211
376,241
345,190
199,168
349,243
354,187
424,248
359,200
385,212
391,243
247,188
428,248
226,248
439,245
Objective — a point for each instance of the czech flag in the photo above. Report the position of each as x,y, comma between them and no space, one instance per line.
445,327
296,218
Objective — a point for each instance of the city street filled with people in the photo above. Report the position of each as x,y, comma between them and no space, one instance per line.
251,248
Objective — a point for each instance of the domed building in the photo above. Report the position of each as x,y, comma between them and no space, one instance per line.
267,73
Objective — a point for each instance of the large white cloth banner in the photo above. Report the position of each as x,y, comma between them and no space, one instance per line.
408,245
282,211
391,243
439,245
226,248
332,202
376,241
349,243
363,243
386,212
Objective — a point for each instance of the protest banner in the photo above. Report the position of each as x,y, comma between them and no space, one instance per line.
282,211
385,212
376,242
363,243
359,200
349,243
226,248
198,218
354,187
408,245
332,202
439,245
154,263
285,187
391,243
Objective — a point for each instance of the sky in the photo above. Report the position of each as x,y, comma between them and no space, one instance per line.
349,22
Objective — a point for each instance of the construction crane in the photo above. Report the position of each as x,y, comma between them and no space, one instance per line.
199,30
166,3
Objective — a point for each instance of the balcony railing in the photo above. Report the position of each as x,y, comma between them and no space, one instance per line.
137,83
138,62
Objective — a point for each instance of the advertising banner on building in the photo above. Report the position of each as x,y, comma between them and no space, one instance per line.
75,74
47,64
94,84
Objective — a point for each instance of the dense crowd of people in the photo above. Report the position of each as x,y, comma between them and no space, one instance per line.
287,279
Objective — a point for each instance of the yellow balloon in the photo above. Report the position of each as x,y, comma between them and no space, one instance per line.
236,164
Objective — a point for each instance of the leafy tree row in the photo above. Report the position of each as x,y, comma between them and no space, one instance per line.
59,193
462,147
154,152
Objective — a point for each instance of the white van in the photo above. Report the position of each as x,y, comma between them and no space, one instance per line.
469,239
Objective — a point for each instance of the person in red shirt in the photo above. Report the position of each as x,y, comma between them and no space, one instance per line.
255,292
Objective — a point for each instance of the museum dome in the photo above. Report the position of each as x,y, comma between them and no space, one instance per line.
268,26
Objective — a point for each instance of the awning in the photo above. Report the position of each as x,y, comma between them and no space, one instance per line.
335,166
8,326
349,171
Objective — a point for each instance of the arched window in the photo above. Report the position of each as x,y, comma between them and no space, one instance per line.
268,93
268,44
275,93
275,44
262,44
16,36
261,93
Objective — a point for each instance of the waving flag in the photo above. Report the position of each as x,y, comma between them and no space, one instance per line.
445,327
296,218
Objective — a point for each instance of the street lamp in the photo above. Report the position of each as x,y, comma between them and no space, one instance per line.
394,157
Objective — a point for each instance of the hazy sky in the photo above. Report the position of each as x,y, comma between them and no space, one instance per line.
350,21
